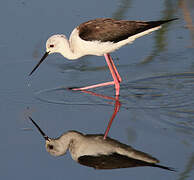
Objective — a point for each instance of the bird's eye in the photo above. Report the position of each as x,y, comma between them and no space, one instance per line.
52,45
50,146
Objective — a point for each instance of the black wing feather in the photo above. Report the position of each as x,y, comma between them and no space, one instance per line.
114,161
104,29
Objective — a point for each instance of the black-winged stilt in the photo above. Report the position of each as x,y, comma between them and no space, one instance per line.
100,37
93,151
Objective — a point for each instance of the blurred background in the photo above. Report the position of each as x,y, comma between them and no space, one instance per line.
156,103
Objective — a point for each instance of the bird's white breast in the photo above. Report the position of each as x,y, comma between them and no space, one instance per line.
91,146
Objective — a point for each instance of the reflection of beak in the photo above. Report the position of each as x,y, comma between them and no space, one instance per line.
40,130
42,59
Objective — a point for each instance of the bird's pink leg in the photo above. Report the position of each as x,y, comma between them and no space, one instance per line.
115,69
113,73
116,77
95,86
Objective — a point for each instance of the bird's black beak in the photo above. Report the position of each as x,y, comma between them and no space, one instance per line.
42,59
40,130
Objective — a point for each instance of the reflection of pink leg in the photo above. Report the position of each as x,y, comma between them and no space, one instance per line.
116,110
116,77
117,106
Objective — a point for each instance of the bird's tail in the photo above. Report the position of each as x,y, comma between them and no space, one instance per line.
163,167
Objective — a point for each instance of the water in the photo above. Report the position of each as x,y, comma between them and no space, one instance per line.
157,111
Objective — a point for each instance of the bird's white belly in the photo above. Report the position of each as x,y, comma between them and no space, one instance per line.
94,47
92,148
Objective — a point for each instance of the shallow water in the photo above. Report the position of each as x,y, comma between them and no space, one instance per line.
156,103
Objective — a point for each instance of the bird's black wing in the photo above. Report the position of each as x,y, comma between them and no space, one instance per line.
105,29
114,161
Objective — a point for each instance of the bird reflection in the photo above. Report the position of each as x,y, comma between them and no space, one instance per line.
93,150
117,106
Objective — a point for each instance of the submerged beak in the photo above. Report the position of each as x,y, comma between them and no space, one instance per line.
40,130
42,59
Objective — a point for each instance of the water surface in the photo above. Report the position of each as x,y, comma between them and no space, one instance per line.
156,104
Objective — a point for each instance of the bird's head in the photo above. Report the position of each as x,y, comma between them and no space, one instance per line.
54,44
54,146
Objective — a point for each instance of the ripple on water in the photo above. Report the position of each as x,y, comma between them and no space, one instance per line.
66,96
171,97
168,98
169,91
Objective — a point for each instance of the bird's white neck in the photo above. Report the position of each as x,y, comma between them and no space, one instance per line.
69,138
67,51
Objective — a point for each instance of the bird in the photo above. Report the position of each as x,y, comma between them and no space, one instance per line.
93,151
100,37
